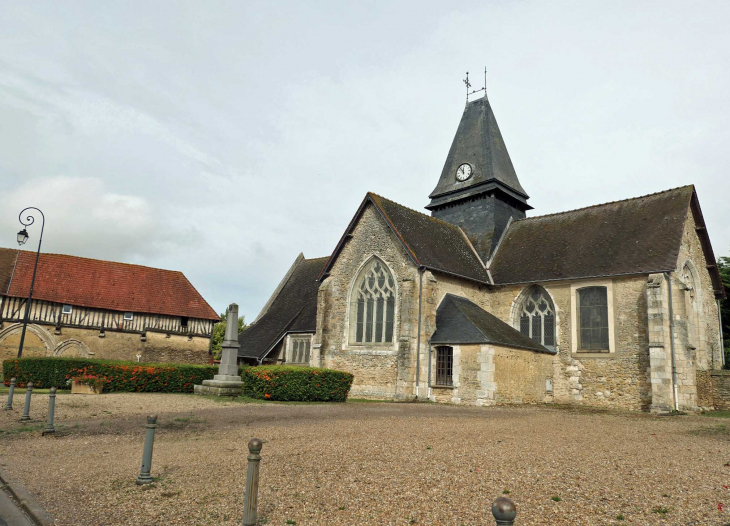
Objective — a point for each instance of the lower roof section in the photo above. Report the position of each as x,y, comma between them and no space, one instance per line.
460,321
292,310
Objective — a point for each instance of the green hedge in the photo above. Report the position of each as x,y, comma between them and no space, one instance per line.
292,383
130,377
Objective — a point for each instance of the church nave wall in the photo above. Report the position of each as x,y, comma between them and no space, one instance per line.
382,370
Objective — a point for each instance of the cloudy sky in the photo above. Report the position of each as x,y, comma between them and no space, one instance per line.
223,138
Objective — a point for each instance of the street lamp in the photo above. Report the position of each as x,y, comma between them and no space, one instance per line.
22,238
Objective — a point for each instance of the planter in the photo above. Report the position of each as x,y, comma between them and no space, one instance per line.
82,388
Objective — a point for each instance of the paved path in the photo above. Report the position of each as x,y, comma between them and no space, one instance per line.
10,514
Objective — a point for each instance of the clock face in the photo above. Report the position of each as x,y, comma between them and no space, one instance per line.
463,172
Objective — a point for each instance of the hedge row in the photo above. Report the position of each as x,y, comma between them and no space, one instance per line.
119,376
293,383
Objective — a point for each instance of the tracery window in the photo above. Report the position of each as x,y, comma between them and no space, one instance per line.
372,309
537,316
593,319
300,349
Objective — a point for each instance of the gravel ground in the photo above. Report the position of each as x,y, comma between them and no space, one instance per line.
368,463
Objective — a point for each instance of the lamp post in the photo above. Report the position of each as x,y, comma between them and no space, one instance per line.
22,238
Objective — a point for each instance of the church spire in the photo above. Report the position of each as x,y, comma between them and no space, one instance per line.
479,189
478,143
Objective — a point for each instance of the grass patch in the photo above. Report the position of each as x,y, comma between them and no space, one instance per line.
556,499
720,430
181,422
661,510
21,429
21,390
717,414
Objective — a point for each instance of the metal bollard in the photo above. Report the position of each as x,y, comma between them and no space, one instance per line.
149,439
50,429
26,410
11,391
504,511
251,495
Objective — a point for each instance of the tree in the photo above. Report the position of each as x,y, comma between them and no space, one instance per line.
724,266
219,332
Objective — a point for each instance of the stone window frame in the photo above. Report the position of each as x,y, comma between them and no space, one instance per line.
446,362
291,342
519,301
574,288
349,342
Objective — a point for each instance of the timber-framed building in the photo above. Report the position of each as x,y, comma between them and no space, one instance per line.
101,309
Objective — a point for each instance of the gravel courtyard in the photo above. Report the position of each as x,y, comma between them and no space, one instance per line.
367,463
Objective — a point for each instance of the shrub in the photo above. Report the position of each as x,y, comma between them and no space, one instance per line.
296,384
120,376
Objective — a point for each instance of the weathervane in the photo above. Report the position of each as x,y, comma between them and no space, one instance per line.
468,85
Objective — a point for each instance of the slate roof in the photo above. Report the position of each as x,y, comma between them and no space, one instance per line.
459,321
430,242
294,309
104,285
478,142
635,236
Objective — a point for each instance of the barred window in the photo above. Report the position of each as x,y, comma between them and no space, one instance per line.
537,316
593,319
300,349
445,366
373,305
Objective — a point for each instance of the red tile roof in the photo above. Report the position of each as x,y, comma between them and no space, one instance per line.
107,285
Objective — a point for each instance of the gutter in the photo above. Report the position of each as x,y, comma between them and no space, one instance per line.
722,337
430,359
671,339
421,270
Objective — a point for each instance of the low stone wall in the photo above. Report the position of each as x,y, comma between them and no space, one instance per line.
721,389
42,340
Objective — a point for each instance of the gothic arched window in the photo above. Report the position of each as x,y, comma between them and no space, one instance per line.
537,316
372,305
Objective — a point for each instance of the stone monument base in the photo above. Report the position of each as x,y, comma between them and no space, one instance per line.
220,385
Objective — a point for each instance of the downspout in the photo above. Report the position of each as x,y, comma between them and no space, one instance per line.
418,337
671,339
722,337
430,352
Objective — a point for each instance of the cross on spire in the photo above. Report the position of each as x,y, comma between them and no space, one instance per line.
468,85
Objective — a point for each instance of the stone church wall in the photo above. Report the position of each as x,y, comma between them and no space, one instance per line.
490,374
616,379
380,370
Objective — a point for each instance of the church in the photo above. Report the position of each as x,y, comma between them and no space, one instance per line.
474,302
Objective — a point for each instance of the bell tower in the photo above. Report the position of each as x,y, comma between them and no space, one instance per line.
478,189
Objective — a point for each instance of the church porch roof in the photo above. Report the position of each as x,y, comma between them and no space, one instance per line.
293,309
460,321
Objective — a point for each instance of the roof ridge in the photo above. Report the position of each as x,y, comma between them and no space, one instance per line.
99,260
435,219
606,203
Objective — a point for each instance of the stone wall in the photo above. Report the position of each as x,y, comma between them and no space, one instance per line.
616,379
489,375
42,340
380,370
713,390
